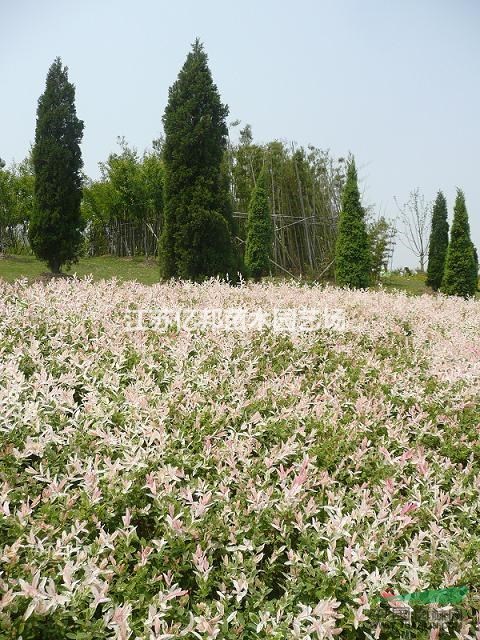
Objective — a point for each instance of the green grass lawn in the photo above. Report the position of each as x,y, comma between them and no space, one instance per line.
102,267
414,284
147,271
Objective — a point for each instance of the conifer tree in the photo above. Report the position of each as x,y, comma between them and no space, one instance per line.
259,231
438,245
55,229
460,278
352,251
196,239
475,269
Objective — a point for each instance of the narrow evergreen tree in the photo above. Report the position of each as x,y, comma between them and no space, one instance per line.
55,229
475,269
352,252
259,231
196,239
460,278
438,245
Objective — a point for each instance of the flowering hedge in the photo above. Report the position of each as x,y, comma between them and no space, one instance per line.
232,484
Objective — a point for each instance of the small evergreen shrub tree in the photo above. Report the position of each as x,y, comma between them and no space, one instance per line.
259,231
460,278
438,245
352,252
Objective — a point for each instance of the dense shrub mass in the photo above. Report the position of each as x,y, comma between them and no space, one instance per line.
210,484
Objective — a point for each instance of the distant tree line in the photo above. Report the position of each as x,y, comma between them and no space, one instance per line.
206,206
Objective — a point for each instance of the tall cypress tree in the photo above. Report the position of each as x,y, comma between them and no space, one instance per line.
56,224
475,266
196,239
259,231
352,251
438,246
460,278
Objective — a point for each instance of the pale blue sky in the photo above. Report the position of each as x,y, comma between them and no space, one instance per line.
395,82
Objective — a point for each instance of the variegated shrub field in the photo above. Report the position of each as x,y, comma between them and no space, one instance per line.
255,483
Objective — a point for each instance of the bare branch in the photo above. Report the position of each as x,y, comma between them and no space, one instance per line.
415,216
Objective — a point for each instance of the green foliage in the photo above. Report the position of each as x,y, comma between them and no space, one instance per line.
460,277
152,172
128,197
438,243
352,255
246,162
380,232
204,245
259,231
56,226
16,204
123,172
475,268
96,210
24,185
196,238
6,203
